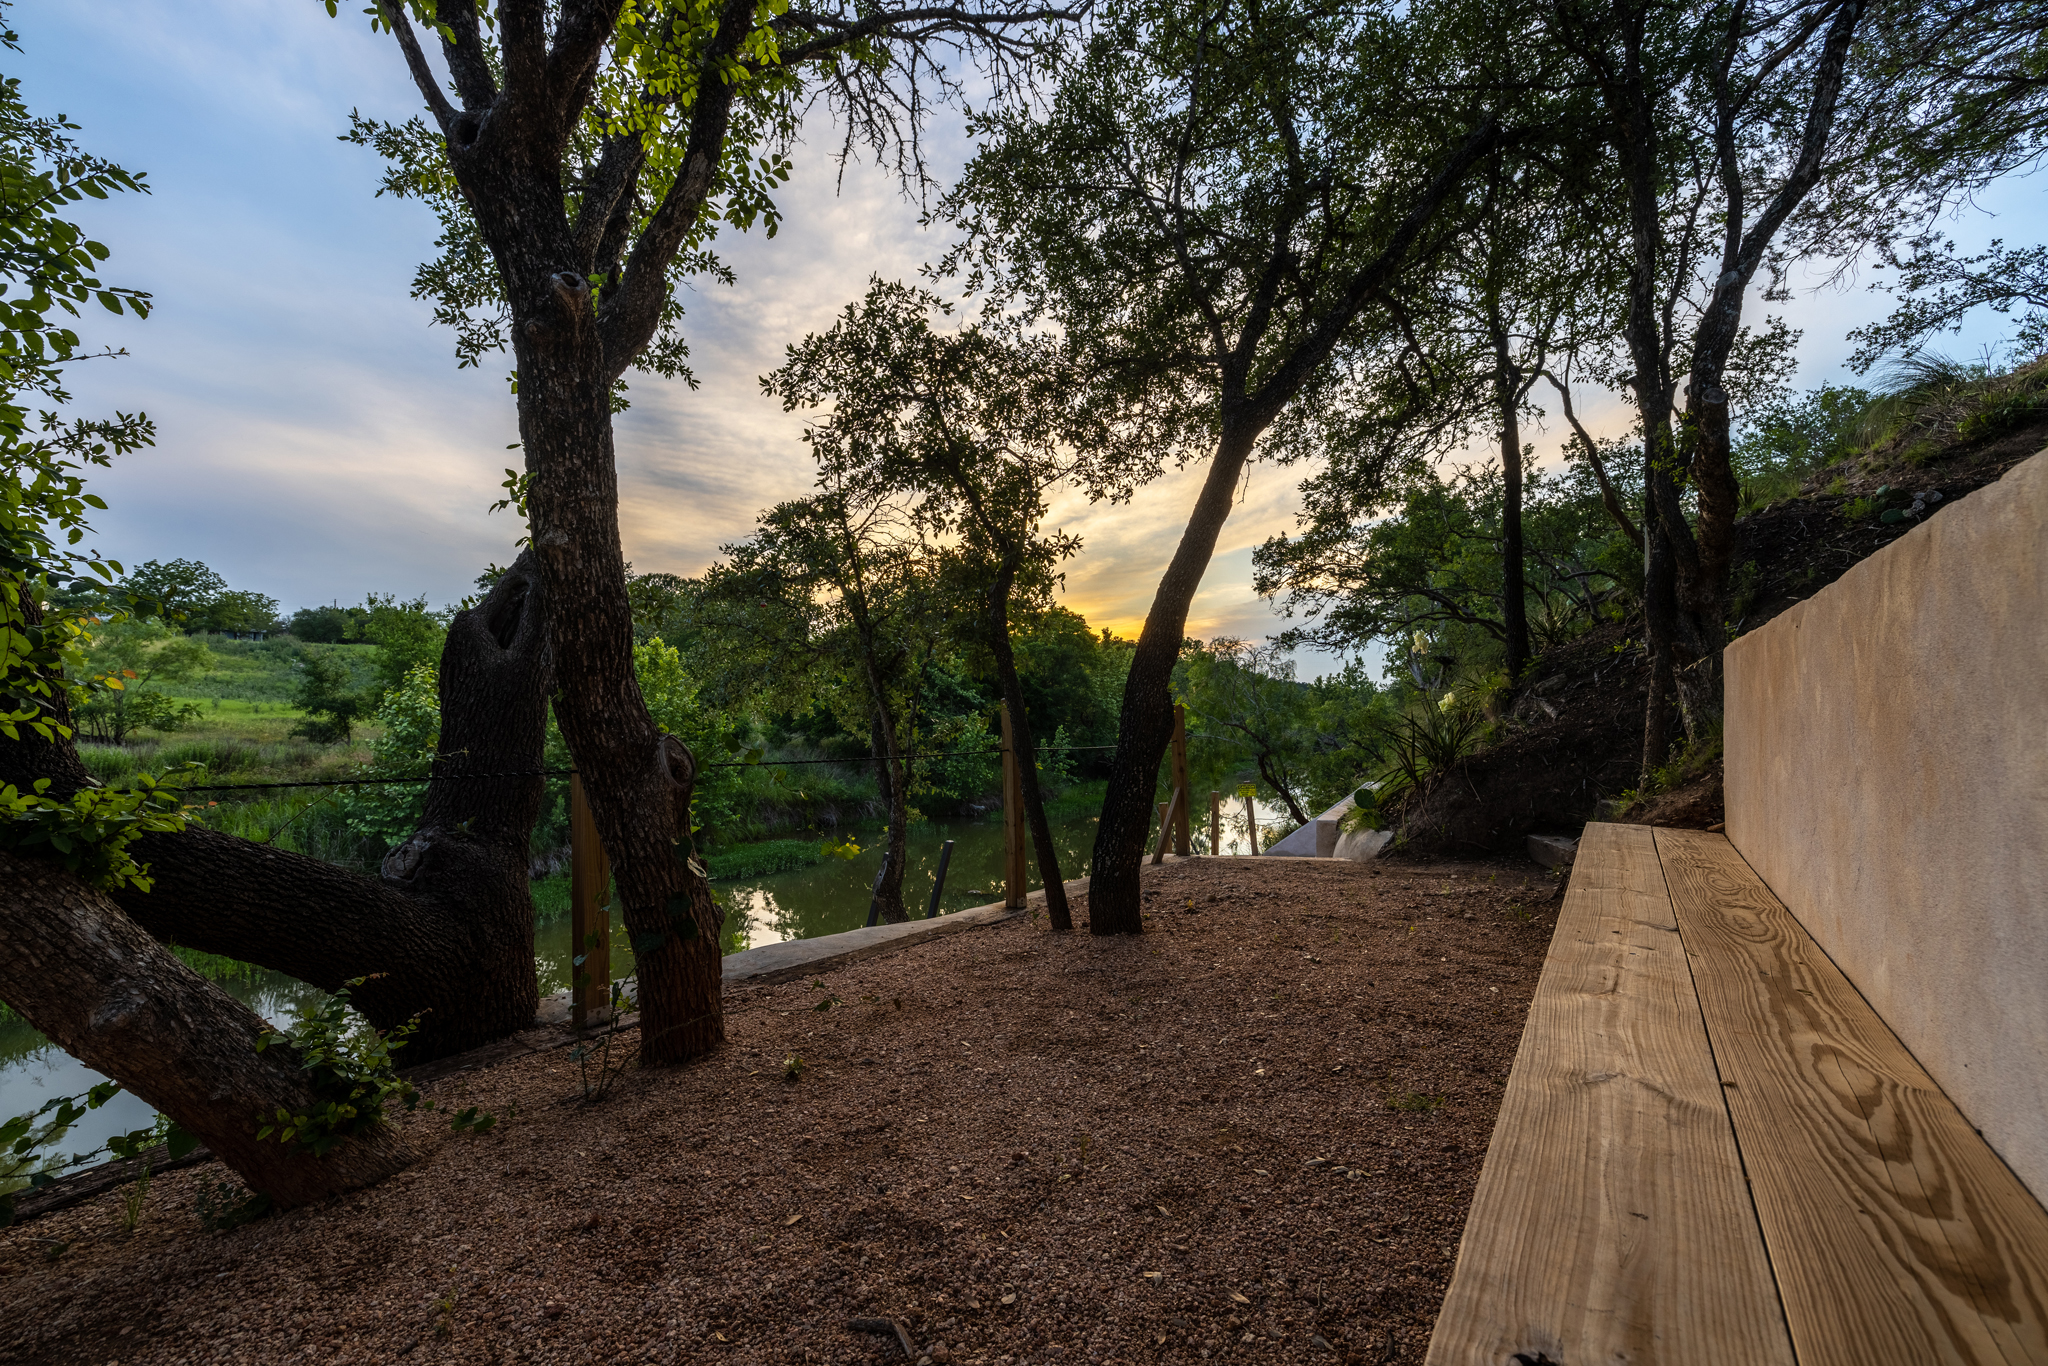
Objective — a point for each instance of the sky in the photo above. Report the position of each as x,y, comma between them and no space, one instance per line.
316,440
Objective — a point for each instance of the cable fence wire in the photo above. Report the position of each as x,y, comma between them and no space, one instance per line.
567,772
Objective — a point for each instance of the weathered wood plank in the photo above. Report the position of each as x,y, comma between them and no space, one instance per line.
1611,1224
1896,1233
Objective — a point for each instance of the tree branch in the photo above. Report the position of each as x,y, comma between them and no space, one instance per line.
581,32
633,312
523,46
416,62
1371,278
1608,498
465,56
618,168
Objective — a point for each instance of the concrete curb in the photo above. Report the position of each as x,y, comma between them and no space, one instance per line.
793,958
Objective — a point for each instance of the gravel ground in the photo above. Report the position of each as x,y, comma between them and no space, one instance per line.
1250,1134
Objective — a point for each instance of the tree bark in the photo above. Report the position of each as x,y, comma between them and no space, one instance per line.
449,925
893,776
1507,393
1145,723
638,799
78,969
1272,777
1058,914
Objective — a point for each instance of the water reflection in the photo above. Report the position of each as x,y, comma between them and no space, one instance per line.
803,904
34,1070
833,896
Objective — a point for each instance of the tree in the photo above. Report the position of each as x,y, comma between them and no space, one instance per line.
448,929
241,612
1435,562
328,625
182,590
135,654
834,600
587,156
406,634
328,693
1743,141
973,428
1247,698
1940,289
1530,286
71,962
1211,206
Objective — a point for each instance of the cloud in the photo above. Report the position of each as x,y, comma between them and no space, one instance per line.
317,439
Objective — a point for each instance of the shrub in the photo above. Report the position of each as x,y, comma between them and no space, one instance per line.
386,813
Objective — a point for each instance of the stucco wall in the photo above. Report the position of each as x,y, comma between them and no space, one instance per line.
1887,775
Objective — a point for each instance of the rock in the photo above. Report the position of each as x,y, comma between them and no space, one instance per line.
1553,851
1362,846
1325,837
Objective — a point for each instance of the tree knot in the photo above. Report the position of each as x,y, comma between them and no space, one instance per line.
572,289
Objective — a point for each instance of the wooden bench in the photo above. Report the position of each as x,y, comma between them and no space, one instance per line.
1712,1150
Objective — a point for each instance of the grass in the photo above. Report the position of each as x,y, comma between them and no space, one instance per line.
550,897
762,858
264,672
1688,762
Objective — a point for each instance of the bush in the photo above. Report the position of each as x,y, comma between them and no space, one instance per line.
387,813
327,625
328,694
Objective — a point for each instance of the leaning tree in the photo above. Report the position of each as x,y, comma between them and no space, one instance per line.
1211,206
71,961
583,154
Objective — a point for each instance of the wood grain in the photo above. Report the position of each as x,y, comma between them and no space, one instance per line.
1611,1224
1895,1232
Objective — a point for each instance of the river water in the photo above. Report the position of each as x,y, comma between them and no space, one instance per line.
802,904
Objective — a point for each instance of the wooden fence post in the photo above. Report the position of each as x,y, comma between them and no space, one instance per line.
1014,870
590,921
1166,826
1183,799
1215,822
1251,824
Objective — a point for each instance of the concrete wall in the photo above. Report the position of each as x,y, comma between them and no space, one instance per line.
1887,775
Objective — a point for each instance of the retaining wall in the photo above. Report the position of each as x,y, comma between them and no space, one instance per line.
1887,775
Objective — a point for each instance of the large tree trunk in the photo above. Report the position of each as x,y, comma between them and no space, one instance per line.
1058,913
449,925
1668,549
78,969
639,801
1145,724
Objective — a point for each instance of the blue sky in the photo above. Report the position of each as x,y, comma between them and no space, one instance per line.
317,441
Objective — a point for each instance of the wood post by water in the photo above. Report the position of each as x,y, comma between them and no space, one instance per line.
931,912
1183,799
1166,825
590,920
1215,822
1251,824
1014,870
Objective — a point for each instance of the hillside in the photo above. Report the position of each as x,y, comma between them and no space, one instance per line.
1569,748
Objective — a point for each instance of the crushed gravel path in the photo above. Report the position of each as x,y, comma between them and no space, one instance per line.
1250,1134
